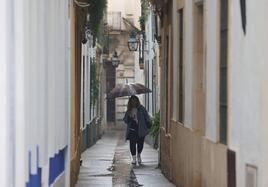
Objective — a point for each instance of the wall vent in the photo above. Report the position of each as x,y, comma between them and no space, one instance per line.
251,176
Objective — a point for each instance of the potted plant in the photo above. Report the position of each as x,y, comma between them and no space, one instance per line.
155,126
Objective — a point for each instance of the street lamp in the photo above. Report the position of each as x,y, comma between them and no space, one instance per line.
115,60
133,42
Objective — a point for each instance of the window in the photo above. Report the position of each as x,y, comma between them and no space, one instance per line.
166,80
114,20
223,71
181,69
243,15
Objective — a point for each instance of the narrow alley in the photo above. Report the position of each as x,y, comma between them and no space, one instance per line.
107,163
153,93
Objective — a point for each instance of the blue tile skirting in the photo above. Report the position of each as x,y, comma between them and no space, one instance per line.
56,167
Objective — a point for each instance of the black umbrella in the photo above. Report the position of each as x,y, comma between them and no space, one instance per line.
129,89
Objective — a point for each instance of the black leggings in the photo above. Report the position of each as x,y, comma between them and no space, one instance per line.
136,141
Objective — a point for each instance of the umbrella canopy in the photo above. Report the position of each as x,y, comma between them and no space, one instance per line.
129,89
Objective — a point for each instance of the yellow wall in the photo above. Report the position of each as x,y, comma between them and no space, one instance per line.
75,96
196,161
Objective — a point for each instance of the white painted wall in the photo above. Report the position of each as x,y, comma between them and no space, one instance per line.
188,58
34,70
139,75
212,17
248,89
248,77
4,155
150,54
212,58
211,22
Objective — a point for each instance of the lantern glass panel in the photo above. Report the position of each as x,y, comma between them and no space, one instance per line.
132,44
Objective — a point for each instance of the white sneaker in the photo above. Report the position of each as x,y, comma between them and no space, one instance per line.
133,160
139,158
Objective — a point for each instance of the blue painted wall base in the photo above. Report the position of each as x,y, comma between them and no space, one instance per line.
56,167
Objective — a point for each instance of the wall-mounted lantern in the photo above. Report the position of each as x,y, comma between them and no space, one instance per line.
133,42
115,60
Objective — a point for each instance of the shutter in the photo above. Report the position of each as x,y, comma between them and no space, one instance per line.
223,71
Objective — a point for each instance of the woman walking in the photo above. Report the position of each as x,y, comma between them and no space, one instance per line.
138,121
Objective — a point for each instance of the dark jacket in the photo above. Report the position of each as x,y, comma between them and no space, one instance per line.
143,122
